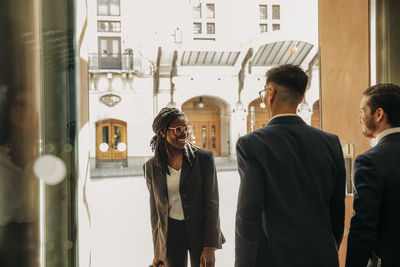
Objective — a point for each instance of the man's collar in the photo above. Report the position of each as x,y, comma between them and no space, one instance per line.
284,115
387,132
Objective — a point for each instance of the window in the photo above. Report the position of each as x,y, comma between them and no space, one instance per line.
210,28
263,28
263,12
276,27
197,28
108,8
276,12
197,11
109,26
210,11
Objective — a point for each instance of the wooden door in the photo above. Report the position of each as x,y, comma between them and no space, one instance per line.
205,122
205,134
111,140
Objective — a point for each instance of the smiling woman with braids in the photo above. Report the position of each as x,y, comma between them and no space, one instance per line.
183,187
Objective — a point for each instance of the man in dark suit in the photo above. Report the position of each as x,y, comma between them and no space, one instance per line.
375,226
290,209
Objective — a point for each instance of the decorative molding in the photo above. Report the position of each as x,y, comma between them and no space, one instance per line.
110,99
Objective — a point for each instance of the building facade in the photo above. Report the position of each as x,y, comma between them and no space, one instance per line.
207,58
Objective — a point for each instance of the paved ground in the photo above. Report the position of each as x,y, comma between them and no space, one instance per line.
120,232
135,167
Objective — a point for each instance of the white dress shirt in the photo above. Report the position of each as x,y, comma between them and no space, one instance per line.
387,132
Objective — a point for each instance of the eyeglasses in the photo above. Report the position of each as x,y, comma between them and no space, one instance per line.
262,94
181,129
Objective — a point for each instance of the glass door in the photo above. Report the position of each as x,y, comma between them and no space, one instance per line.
110,53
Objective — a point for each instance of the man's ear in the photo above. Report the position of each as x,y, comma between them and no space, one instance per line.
379,114
271,92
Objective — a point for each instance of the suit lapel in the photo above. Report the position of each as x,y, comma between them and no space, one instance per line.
188,157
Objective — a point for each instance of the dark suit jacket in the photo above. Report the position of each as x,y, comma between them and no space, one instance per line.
200,201
291,199
375,225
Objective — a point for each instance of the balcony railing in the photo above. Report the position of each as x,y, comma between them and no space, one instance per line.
111,62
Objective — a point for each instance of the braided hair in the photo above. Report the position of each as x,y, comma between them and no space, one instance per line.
158,143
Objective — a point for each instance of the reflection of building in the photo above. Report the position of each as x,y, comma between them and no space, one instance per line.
207,58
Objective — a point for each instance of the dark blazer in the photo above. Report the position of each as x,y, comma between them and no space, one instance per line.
375,226
200,201
291,199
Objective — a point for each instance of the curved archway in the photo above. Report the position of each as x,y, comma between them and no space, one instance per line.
209,118
257,116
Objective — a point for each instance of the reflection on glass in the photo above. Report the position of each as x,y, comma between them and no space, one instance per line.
105,134
204,135
213,137
117,136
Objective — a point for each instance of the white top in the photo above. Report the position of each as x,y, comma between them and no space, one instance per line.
387,132
174,197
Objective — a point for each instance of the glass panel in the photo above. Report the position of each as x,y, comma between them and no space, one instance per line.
276,12
117,136
204,136
210,11
102,7
105,135
387,42
210,28
197,11
263,12
115,48
102,26
276,27
263,28
115,26
103,47
197,28
213,136
114,7
252,118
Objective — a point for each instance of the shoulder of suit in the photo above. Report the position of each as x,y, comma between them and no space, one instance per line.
150,162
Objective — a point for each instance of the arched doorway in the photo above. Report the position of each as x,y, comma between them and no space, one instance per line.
111,143
204,116
257,116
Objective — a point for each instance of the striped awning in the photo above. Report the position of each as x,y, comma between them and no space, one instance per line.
209,58
279,53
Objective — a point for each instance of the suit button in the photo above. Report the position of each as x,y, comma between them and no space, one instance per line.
185,206
187,217
183,195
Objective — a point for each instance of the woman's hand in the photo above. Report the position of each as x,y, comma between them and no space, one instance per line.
155,261
207,258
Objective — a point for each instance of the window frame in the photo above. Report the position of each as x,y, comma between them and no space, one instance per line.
263,13
201,28
208,10
109,22
274,12
211,24
108,4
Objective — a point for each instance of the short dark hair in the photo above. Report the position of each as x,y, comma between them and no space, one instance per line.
387,97
290,77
